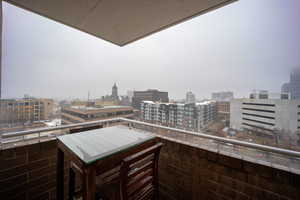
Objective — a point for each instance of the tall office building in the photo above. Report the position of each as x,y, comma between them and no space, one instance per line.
285,88
293,87
190,97
148,95
295,84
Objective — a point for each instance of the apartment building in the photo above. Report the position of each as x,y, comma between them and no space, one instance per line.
193,116
78,114
15,112
223,110
190,97
205,114
265,115
148,95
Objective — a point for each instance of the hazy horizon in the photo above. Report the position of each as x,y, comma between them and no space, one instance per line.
249,44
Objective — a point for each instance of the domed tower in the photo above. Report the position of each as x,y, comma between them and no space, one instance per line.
114,93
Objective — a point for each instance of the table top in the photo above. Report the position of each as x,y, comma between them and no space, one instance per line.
94,145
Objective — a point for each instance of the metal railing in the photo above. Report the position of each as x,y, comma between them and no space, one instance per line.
275,150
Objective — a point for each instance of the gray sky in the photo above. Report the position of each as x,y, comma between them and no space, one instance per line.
250,44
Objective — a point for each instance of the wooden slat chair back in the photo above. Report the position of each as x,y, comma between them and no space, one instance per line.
139,175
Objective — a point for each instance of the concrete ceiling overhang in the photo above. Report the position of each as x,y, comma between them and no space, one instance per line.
120,21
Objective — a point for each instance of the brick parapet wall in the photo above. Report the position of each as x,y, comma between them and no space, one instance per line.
29,172
186,172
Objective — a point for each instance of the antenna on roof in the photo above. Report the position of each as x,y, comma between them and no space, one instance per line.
88,100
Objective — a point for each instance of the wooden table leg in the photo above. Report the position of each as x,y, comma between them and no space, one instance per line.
89,183
71,183
60,175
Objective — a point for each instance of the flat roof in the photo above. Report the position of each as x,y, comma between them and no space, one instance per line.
95,108
119,21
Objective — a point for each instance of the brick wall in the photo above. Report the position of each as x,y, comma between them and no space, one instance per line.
186,172
28,172
191,173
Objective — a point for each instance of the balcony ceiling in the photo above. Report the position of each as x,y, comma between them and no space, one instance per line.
120,21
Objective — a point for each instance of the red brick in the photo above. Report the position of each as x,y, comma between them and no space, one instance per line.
230,162
8,154
212,156
34,148
257,169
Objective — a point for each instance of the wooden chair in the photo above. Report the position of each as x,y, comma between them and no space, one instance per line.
139,175
135,179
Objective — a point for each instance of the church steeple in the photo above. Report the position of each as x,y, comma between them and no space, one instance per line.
114,93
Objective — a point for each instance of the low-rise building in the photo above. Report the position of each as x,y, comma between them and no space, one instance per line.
16,112
78,114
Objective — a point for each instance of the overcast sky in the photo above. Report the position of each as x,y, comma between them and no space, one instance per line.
250,44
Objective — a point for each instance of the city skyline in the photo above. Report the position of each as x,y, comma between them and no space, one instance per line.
193,56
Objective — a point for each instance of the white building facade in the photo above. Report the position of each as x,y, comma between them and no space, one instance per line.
267,115
193,116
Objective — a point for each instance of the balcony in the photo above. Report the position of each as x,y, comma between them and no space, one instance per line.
192,165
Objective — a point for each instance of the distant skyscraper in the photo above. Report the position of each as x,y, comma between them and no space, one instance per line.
114,93
294,85
285,88
190,97
222,96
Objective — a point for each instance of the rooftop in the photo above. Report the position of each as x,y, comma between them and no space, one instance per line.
87,108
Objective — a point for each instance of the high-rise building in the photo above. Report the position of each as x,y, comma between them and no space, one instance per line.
285,88
222,96
295,84
190,97
293,87
148,95
14,112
